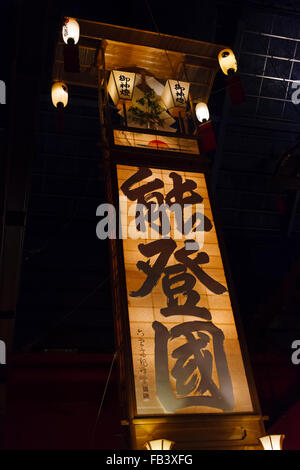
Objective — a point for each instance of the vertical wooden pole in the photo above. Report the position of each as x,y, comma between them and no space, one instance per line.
193,114
117,274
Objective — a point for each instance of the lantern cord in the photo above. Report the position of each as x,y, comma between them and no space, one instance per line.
282,80
102,399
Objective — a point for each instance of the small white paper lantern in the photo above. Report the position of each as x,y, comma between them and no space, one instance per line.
120,86
227,62
59,94
202,112
159,444
70,31
175,96
272,442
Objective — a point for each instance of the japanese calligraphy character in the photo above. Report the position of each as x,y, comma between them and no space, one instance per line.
124,87
157,206
165,248
186,283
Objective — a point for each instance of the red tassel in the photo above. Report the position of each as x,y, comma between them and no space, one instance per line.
206,137
71,58
235,89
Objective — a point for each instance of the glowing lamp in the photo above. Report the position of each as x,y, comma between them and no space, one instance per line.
2,92
59,94
202,112
272,442
120,86
159,444
70,31
227,62
175,96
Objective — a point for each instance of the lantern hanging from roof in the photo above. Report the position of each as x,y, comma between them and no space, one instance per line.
227,61
70,31
120,87
175,96
2,92
272,442
202,112
205,131
59,94
159,444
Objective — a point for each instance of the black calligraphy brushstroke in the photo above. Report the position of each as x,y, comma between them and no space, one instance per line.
144,195
205,224
138,194
163,386
179,188
202,360
157,211
165,247
176,196
198,358
187,282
